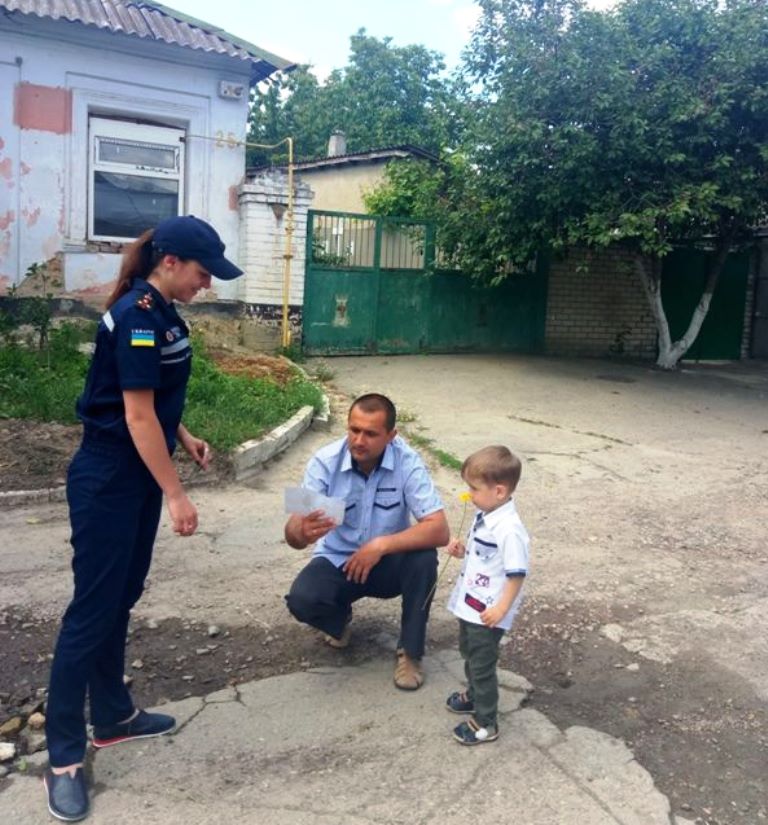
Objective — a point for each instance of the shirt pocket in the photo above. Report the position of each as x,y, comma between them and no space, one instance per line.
352,508
486,550
387,500
387,503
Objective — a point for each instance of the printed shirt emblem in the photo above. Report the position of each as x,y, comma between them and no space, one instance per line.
142,338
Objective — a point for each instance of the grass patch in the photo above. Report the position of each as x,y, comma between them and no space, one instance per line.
448,459
223,409
443,457
43,385
226,410
322,372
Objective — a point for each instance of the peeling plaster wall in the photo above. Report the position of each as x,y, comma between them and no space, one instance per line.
53,74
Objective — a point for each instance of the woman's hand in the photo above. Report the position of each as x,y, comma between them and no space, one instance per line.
198,450
183,514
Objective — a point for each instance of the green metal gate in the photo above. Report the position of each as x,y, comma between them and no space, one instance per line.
683,278
372,286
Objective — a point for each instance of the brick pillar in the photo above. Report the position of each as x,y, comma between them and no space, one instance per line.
263,204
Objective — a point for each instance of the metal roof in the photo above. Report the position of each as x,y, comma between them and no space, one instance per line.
155,22
385,153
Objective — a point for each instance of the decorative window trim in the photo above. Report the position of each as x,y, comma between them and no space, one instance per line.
100,97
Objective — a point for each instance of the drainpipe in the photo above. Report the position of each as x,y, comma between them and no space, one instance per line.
17,223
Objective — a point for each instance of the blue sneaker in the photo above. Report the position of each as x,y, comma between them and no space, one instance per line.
142,726
67,795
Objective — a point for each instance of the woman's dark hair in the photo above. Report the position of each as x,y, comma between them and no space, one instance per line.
139,261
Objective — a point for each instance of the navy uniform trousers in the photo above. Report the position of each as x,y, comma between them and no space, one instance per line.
322,597
114,508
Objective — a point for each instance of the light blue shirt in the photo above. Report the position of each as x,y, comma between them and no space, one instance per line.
377,505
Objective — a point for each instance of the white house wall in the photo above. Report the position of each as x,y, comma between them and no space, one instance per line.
52,75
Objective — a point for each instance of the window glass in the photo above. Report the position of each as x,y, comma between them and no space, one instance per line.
136,177
127,205
137,154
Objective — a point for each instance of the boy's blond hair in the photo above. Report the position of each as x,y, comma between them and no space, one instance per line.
493,465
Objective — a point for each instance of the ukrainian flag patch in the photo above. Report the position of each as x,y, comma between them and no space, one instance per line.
142,338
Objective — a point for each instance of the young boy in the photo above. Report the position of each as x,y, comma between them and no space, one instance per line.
488,592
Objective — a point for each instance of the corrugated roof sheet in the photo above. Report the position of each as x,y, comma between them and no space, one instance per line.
154,21
384,153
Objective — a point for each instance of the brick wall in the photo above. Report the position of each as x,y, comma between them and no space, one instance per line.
596,307
263,201
759,260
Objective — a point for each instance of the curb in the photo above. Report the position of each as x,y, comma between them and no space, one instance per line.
247,459
18,498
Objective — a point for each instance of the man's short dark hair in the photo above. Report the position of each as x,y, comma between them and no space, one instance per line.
375,402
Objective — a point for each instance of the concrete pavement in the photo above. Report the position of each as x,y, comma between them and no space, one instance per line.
342,746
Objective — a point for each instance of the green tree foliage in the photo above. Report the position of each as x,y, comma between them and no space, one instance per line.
412,188
646,126
385,96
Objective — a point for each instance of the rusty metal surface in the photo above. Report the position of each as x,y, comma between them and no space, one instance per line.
153,21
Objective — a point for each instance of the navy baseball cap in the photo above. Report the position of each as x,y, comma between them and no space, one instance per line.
190,238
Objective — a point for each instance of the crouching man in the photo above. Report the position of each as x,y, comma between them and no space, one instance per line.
377,551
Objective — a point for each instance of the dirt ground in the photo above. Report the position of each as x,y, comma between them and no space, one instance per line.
646,616
34,455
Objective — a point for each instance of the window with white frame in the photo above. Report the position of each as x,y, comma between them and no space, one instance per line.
135,177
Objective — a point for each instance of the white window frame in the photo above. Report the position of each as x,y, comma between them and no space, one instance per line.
107,129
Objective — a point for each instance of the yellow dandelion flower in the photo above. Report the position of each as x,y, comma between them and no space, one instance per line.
465,497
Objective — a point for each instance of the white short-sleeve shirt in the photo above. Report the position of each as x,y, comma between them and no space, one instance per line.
496,548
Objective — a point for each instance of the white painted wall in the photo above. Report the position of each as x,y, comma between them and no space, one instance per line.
43,175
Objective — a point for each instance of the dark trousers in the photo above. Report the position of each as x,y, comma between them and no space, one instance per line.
322,597
479,647
114,509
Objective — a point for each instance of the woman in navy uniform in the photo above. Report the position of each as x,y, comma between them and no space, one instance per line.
131,412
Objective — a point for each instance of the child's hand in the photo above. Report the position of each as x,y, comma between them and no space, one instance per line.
456,548
491,616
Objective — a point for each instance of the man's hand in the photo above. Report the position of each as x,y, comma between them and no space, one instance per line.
364,560
491,616
315,525
456,548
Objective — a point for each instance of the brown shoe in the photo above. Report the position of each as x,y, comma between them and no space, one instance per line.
343,640
408,673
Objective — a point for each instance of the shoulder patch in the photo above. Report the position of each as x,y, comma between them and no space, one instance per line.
142,338
146,301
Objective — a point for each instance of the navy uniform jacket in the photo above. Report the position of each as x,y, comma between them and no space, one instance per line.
141,343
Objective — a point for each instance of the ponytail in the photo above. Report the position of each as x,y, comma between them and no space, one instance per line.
139,261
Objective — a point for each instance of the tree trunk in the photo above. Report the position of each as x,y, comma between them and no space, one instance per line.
649,270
